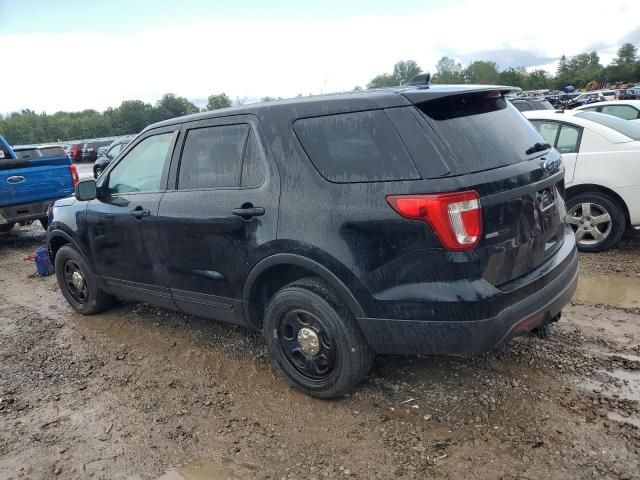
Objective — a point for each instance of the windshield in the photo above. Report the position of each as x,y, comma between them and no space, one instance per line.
625,127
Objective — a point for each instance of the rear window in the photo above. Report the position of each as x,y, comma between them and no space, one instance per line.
481,131
355,147
53,152
625,127
27,153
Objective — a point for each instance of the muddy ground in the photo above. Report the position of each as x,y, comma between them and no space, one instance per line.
144,393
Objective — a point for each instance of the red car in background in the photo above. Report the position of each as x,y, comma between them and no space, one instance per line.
75,152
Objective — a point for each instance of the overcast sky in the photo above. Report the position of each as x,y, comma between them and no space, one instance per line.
75,54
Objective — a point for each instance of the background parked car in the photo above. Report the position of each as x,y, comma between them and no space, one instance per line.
111,152
601,154
90,150
525,104
625,109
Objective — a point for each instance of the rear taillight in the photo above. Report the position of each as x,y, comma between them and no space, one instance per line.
456,218
74,174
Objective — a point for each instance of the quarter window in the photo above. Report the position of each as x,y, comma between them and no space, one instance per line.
355,147
568,139
212,157
141,169
621,111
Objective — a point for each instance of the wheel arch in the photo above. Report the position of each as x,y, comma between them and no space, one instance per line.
57,239
280,269
592,187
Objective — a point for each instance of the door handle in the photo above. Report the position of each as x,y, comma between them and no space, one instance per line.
139,212
248,212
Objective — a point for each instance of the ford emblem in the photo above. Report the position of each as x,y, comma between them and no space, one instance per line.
551,164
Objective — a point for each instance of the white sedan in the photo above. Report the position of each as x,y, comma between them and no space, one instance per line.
626,109
601,155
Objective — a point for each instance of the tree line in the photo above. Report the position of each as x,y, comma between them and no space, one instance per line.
132,116
578,71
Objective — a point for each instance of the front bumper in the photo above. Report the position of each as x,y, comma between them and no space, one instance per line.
470,336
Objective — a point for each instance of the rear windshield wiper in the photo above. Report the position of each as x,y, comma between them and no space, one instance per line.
538,147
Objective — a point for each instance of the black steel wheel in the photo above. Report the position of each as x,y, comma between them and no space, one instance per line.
77,284
306,343
314,340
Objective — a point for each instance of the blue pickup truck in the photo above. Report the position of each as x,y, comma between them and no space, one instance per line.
29,183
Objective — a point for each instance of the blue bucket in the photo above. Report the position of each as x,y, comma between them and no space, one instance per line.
43,262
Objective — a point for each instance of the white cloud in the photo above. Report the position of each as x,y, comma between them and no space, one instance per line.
70,71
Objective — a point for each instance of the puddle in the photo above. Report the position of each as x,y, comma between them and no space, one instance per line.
202,469
627,388
609,290
619,418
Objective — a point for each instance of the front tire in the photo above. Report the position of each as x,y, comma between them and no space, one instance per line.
597,220
314,340
77,284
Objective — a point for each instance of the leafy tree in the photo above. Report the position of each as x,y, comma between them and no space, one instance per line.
482,72
538,80
381,81
215,102
171,106
513,77
448,72
623,67
270,99
405,70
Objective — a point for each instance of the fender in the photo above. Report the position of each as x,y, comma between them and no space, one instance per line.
294,259
69,239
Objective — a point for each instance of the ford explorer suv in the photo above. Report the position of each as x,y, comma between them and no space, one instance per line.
31,181
410,220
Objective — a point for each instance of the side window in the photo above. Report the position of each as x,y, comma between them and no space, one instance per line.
212,157
253,165
355,147
548,130
141,169
621,111
568,139
114,151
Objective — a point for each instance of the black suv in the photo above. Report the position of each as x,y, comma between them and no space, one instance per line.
111,152
409,220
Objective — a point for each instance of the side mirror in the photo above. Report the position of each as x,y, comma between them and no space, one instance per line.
86,190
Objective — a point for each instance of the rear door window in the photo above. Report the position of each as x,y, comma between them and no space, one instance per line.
569,139
212,157
355,147
482,131
548,130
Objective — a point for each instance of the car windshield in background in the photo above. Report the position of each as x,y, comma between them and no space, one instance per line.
625,127
483,131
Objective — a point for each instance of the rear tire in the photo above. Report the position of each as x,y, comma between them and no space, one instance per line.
314,340
591,211
81,290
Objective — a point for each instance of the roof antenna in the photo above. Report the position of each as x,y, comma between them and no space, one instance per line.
421,80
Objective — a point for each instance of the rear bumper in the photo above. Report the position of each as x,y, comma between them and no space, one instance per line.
477,335
25,212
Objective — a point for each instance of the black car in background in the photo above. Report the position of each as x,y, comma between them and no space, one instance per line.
524,104
90,150
389,221
111,152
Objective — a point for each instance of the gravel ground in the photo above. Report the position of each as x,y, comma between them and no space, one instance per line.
143,393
